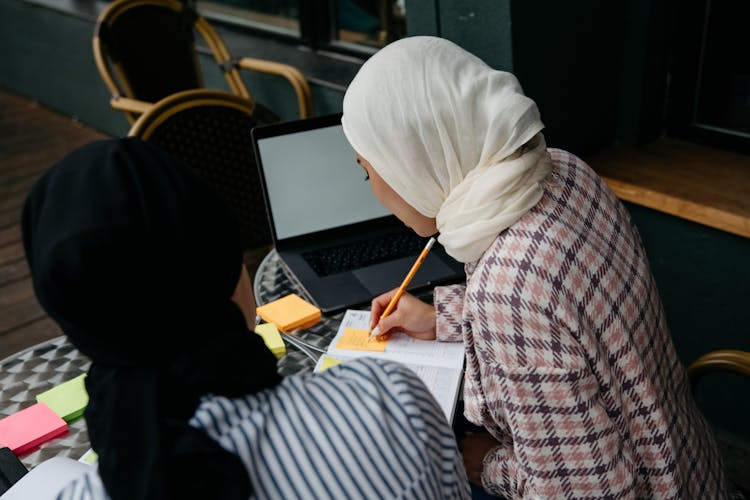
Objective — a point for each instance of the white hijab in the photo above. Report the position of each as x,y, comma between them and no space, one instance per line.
444,130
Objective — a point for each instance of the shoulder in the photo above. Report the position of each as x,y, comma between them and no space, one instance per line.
312,428
355,388
577,209
375,386
564,160
88,486
373,372
574,186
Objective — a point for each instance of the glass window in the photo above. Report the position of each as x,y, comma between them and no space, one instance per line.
274,15
723,95
370,23
709,80
350,25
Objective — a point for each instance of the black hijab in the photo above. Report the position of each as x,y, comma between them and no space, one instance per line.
137,260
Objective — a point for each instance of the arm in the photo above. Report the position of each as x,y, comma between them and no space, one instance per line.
419,320
564,443
88,486
411,425
449,309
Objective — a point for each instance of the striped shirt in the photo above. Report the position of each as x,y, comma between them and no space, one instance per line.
364,429
569,361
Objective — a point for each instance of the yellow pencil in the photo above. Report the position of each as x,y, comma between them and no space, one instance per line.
392,304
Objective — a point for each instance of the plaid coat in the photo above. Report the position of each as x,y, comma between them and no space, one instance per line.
569,361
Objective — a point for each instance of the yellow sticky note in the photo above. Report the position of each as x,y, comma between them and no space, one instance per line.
272,338
290,312
68,399
356,339
328,362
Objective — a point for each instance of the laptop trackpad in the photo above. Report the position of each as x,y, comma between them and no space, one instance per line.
386,276
337,291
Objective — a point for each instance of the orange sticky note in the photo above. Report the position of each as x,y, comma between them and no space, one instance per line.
30,427
356,339
289,313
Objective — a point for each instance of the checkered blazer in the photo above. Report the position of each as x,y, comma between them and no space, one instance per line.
569,362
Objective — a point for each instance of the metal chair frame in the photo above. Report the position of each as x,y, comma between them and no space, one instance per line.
723,360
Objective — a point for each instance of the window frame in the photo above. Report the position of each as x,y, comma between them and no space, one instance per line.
316,28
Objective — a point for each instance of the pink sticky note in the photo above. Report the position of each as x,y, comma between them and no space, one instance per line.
30,427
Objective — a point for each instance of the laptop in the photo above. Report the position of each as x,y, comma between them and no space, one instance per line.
333,236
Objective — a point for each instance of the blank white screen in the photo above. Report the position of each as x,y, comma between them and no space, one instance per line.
314,182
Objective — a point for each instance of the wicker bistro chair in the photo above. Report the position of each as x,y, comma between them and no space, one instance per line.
210,131
145,51
731,361
723,360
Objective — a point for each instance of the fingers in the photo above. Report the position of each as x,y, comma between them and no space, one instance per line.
378,305
390,322
412,316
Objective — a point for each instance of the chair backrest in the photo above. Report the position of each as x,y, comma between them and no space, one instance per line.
723,360
210,131
151,46
735,451
145,50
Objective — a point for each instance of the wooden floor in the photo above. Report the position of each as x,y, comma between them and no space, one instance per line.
32,138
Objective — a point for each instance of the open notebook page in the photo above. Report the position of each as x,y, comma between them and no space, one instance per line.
438,364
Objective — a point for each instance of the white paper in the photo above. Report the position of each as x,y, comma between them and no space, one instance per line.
438,364
46,480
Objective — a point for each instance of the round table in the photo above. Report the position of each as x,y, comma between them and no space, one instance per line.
273,282
43,366
32,371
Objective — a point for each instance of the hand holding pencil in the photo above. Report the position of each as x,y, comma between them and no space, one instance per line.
400,310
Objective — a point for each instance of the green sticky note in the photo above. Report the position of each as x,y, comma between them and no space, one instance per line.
68,399
272,338
90,457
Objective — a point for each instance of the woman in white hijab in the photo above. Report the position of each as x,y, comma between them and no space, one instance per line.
570,366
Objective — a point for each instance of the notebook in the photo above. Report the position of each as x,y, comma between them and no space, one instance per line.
333,236
438,364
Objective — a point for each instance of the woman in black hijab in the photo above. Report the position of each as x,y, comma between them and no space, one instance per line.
138,261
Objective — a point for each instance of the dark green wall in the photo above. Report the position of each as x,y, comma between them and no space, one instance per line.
47,56
483,28
569,62
703,276
596,69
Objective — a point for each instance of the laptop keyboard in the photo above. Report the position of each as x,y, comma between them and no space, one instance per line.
364,253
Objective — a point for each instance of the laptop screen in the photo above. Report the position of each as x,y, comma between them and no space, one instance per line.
313,182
